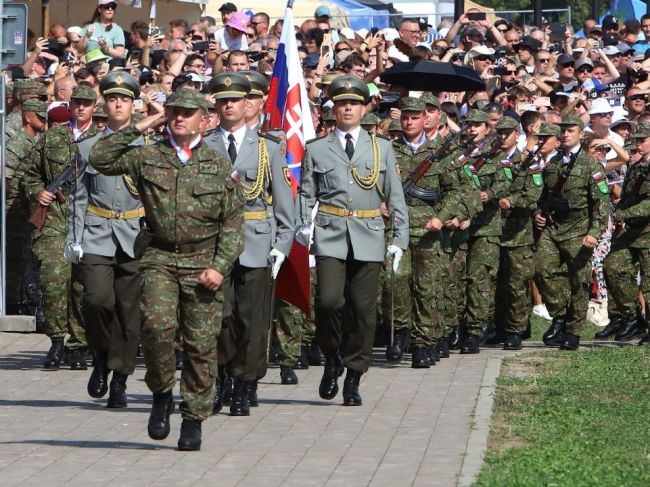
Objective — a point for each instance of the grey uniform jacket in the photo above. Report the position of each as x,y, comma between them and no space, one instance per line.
327,179
277,229
98,235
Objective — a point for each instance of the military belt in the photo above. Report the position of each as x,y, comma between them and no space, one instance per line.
184,248
411,201
257,215
570,214
115,215
336,211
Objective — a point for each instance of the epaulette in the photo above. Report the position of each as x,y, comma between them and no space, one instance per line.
210,132
316,138
382,136
273,138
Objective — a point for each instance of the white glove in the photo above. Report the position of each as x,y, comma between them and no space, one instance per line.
303,235
277,258
72,252
394,252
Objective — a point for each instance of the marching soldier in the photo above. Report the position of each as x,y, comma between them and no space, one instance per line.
55,151
194,233
258,160
103,220
572,214
349,173
23,90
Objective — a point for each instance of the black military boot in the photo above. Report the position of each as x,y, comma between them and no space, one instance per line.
314,356
179,359
117,394
443,347
98,382
571,342
512,342
614,327
54,355
419,358
303,360
351,396
228,391
239,403
632,329
488,332
432,352
394,352
78,359
645,340
288,376
252,394
527,332
554,336
454,338
469,344
190,439
161,409
331,372
220,385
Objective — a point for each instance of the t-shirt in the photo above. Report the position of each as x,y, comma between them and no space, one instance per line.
114,37
230,43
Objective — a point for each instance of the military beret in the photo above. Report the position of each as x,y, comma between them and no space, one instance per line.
259,83
329,116
59,114
395,126
412,104
120,82
475,115
642,132
572,120
507,123
547,129
348,88
37,106
229,85
84,92
186,98
370,119
429,99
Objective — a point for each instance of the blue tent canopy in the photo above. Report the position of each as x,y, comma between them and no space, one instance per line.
363,16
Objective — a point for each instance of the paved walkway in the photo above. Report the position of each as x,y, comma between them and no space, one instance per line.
413,429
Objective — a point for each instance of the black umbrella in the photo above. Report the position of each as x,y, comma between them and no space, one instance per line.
425,75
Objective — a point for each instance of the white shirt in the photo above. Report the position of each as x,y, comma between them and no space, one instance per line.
611,154
230,43
354,133
239,137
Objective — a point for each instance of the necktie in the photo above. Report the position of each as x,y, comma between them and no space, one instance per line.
232,148
349,146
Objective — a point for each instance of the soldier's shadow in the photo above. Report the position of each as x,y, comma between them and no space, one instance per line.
104,444
98,405
22,360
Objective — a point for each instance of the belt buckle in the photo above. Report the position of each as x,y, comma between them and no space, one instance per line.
119,215
177,249
352,213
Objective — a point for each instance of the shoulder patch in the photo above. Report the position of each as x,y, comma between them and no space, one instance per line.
601,182
286,173
267,135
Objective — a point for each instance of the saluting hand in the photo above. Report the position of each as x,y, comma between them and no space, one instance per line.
211,279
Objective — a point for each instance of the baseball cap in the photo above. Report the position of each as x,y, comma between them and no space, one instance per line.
611,50
74,30
610,22
322,11
582,62
572,120
600,105
311,61
228,7
565,59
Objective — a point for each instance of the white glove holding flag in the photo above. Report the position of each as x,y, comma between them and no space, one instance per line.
277,258
394,252
72,252
303,235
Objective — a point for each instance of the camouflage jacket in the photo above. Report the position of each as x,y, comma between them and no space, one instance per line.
14,122
185,203
526,185
634,207
18,148
583,205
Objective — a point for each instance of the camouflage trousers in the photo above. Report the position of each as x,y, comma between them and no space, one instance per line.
453,300
516,271
620,270
482,269
173,298
62,292
563,277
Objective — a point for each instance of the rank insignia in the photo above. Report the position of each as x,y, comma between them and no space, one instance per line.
286,172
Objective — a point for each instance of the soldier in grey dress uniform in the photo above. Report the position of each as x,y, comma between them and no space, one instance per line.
259,163
349,173
103,222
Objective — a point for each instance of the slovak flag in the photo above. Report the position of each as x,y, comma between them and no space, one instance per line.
287,108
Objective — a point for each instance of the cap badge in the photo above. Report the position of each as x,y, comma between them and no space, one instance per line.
227,81
119,80
348,85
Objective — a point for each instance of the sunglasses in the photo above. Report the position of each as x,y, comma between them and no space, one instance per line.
604,115
543,59
585,69
250,35
456,58
109,6
272,49
483,58
510,73
637,97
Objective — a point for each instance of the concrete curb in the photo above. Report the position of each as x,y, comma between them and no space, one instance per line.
478,436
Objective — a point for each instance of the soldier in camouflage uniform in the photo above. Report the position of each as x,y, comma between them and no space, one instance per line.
630,250
195,232
60,281
572,222
23,90
484,233
19,231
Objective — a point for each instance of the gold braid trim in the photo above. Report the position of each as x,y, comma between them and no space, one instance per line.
371,180
263,171
130,186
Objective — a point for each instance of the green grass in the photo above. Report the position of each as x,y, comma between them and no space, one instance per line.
572,419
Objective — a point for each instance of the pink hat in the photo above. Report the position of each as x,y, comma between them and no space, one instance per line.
239,21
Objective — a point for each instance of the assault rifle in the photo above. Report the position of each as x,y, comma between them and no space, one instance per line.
481,159
60,180
630,198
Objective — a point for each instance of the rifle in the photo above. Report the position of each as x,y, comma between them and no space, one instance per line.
472,169
409,185
630,199
64,177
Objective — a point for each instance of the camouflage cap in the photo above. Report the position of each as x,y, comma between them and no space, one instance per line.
475,115
259,83
395,126
348,88
547,129
99,112
507,123
229,85
572,120
186,98
37,106
412,104
443,118
26,87
370,119
429,99
84,92
120,82
329,116
642,132
328,78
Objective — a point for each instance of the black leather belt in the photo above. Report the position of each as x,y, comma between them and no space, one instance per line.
187,248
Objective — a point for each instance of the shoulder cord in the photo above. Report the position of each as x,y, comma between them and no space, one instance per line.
367,182
263,171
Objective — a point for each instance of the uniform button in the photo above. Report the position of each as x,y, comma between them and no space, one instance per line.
118,188
350,200
351,182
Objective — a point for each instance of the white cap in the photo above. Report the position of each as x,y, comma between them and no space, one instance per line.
424,44
397,54
74,30
363,33
390,34
347,33
600,105
611,50
481,50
